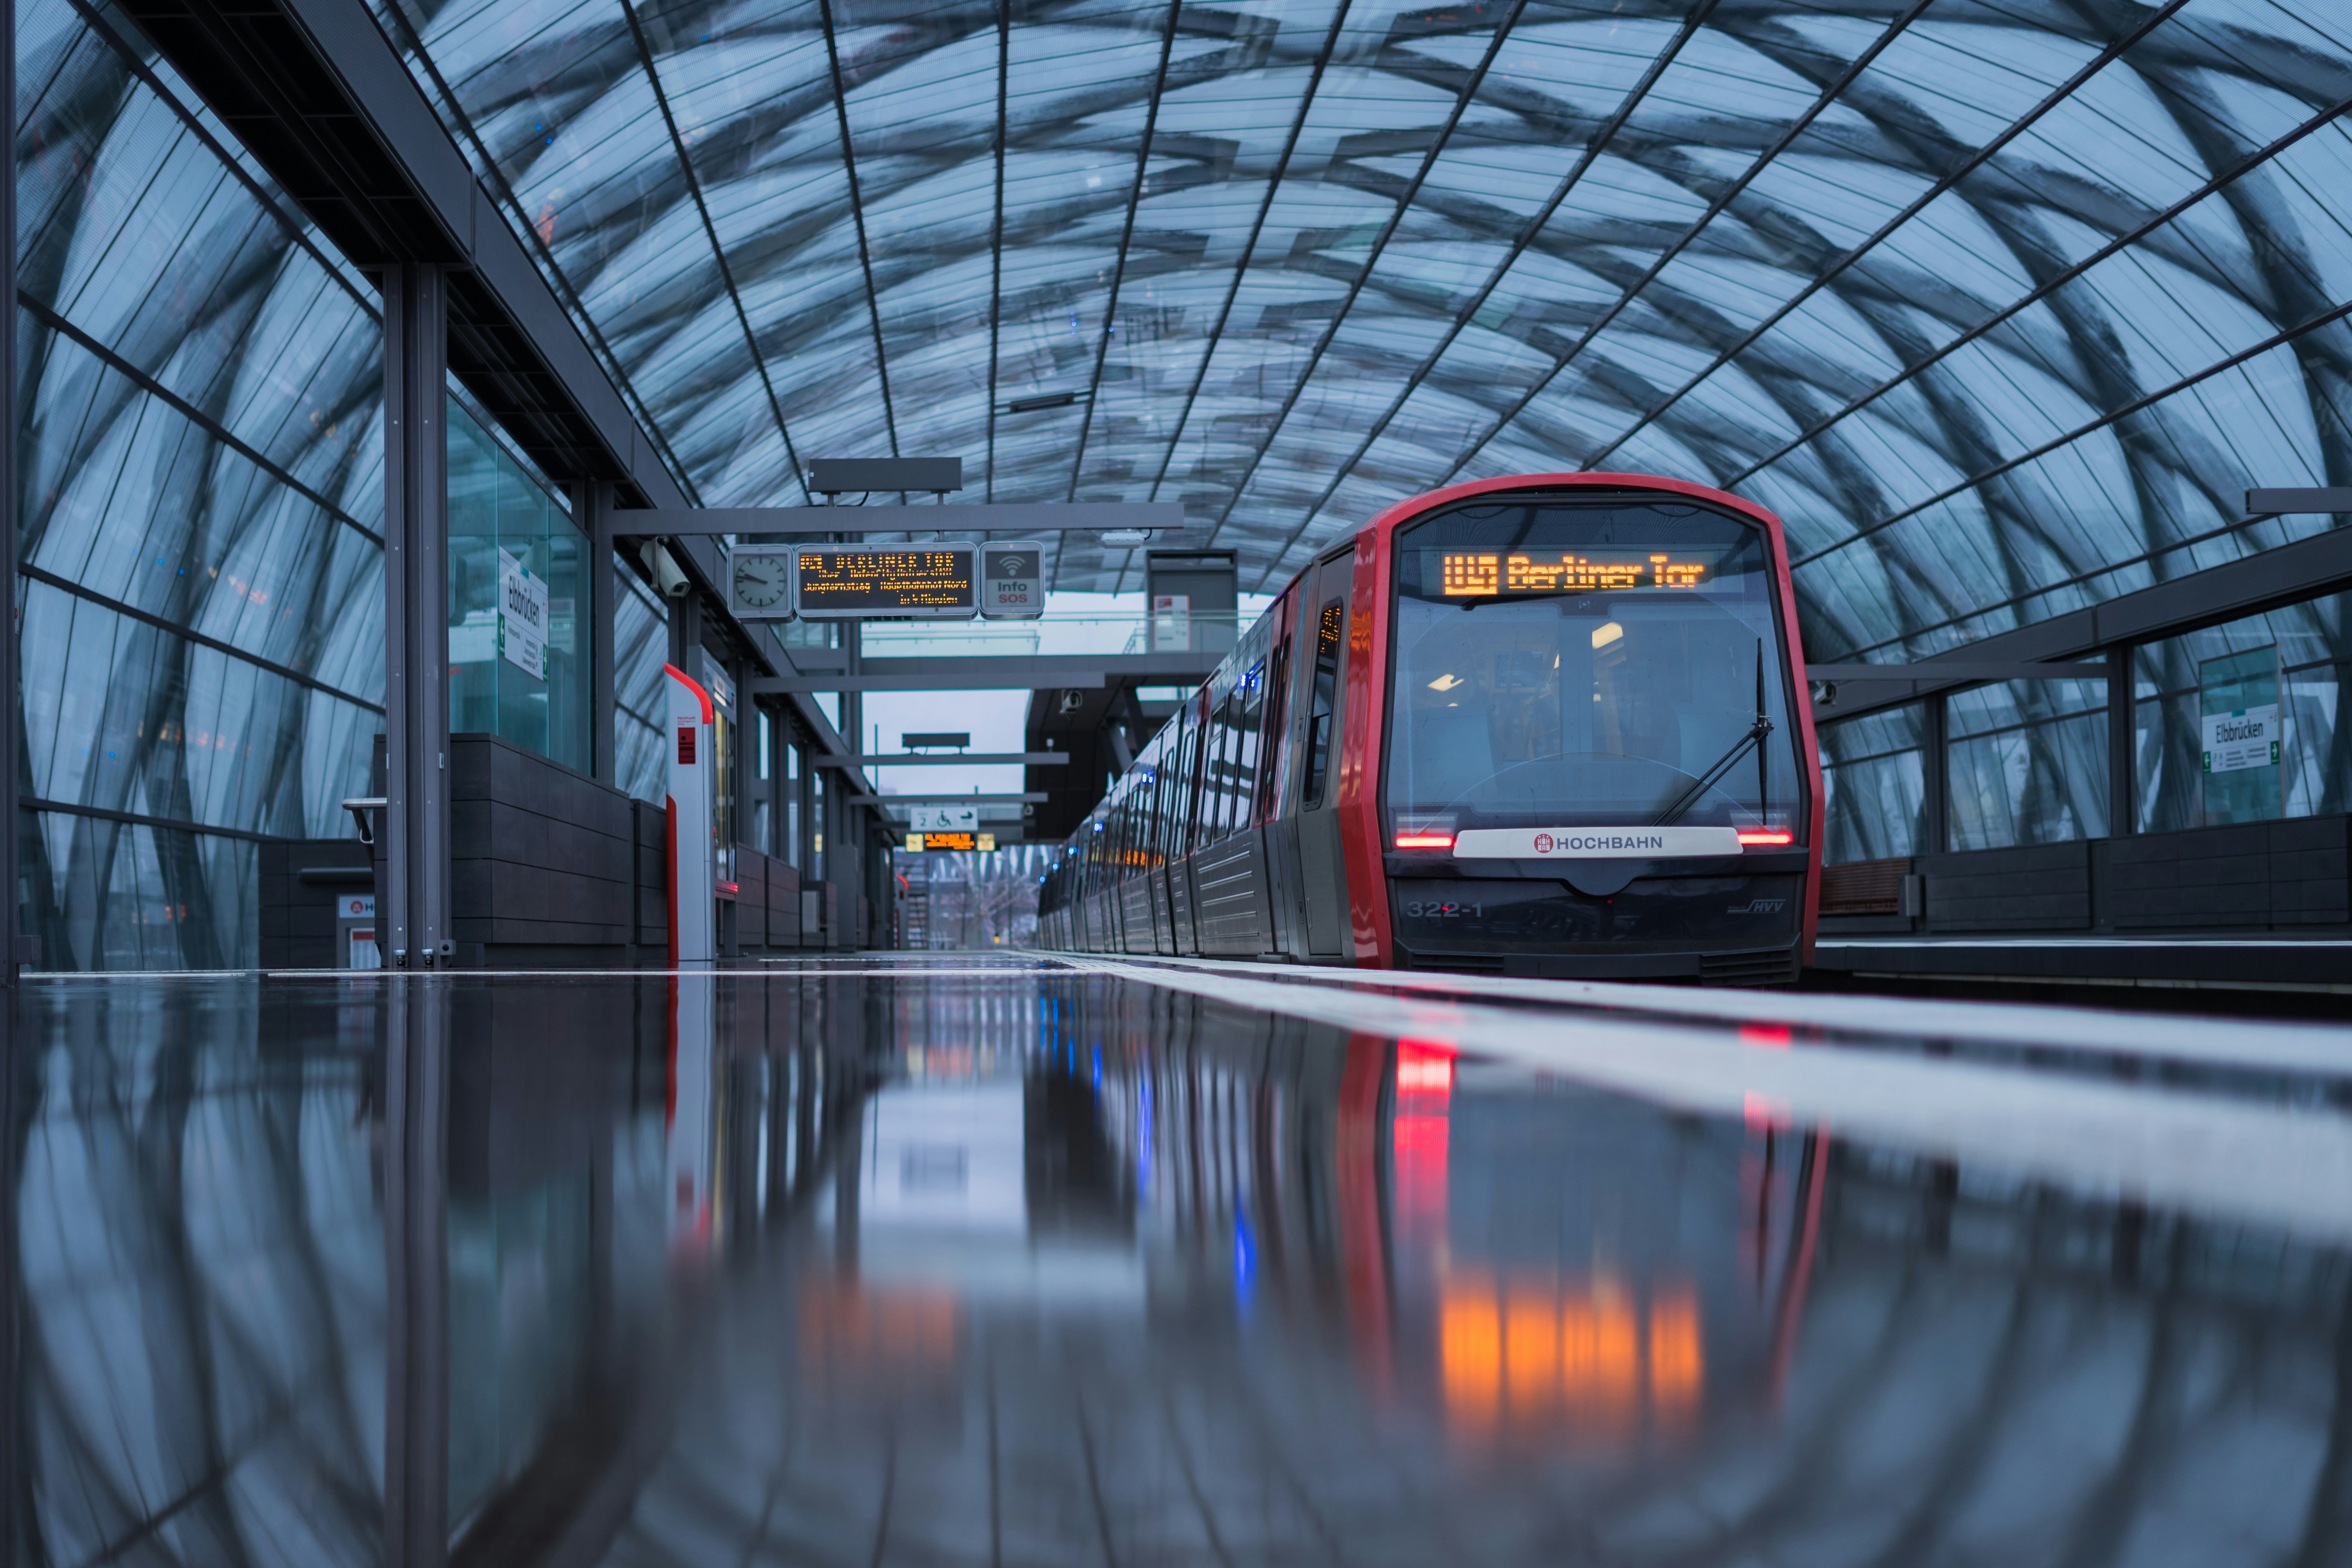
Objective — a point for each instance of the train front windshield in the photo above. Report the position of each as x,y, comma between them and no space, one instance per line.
1573,663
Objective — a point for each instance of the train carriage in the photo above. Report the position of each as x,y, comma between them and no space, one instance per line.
1551,724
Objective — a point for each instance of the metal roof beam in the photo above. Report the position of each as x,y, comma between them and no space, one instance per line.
949,759
1473,80
318,94
980,672
956,517
1118,265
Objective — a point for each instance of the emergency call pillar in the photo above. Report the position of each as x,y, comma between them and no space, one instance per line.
693,825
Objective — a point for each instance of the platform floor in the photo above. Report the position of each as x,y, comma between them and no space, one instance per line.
995,1259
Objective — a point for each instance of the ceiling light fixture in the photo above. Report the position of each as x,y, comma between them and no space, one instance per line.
1037,405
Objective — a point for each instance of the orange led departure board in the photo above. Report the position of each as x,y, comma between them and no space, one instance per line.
1486,574
841,582
919,842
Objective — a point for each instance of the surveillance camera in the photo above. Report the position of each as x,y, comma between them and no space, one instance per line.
1072,699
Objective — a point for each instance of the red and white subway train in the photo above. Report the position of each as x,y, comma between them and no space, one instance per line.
1554,724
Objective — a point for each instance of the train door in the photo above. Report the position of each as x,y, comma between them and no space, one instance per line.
1185,834
1278,837
1138,924
1229,881
1164,774
1322,876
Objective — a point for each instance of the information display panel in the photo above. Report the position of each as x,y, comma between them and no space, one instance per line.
866,582
919,842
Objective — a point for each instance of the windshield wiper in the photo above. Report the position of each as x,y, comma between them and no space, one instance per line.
1730,759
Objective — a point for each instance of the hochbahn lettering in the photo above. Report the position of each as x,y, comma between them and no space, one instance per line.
1593,843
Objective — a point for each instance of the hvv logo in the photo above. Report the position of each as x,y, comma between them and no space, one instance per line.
1758,907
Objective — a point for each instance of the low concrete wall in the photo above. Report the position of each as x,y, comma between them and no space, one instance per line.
549,869
304,882
2291,877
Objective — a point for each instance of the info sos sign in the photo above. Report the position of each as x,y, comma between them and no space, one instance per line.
1013,581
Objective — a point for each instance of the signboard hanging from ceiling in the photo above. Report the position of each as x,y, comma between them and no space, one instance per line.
1013,581
918,843
863,581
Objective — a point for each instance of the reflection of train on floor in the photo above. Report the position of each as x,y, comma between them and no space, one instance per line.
1553,724
1543,1267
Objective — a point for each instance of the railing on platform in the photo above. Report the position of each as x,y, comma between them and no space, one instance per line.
1049,637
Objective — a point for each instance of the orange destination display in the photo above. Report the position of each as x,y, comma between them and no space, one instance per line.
1486,574
917,843
841,582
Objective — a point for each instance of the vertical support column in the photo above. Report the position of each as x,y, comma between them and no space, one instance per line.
745,759
417,1275
15,1526
846,864
1936,770
415,894
685,630
2123,763
12,680
592,508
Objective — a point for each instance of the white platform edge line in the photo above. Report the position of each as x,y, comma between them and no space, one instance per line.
2212,1040
2209,1153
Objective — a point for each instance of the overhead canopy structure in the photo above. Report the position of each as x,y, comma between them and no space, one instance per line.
2003,307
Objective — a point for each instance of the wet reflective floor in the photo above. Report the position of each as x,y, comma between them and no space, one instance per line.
997,1260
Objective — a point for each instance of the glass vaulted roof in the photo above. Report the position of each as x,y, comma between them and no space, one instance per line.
2001,306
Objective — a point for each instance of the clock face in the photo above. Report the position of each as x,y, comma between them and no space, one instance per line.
761,581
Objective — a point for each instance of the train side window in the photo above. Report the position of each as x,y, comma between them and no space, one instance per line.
1179,805
1172,801
1330,626
1122,823
1155,764
1249,708
1270,748
1218,787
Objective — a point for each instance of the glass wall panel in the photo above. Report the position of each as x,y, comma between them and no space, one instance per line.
200,604
134,896
1876,785
518,649
640,648
2172,694
795,846
814,866
2029,764
763,750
